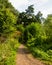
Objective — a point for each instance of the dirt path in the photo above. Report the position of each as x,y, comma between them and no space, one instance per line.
24,57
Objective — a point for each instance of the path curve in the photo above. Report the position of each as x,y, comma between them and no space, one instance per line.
24,57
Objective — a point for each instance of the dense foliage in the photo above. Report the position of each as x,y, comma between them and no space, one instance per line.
8,17
8,51
32,30
8,41
37,34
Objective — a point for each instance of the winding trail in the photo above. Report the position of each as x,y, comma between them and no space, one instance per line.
24,57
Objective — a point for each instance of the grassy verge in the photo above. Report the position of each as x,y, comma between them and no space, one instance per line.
8,51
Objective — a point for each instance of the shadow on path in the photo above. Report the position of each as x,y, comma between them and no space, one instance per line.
23,51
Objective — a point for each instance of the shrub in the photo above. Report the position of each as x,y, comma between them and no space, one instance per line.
37,42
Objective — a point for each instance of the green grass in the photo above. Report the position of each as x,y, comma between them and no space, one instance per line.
8,51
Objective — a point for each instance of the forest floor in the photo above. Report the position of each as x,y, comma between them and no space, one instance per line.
24,57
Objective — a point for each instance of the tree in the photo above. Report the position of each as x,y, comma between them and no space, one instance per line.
39,17
48,19
27,17
30,10
8,16
48,29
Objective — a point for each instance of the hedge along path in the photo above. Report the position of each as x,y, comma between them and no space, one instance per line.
24,57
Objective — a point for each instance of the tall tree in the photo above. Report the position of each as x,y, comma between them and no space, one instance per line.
30,10
39,17
27,17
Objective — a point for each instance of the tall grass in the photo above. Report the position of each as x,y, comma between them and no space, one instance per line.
8,51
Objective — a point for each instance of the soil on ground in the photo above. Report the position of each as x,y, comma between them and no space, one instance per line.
24,57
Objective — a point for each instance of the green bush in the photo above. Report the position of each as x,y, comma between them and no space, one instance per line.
7,20
37,42
40,53
20,28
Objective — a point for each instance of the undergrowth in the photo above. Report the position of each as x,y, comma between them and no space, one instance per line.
8,50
